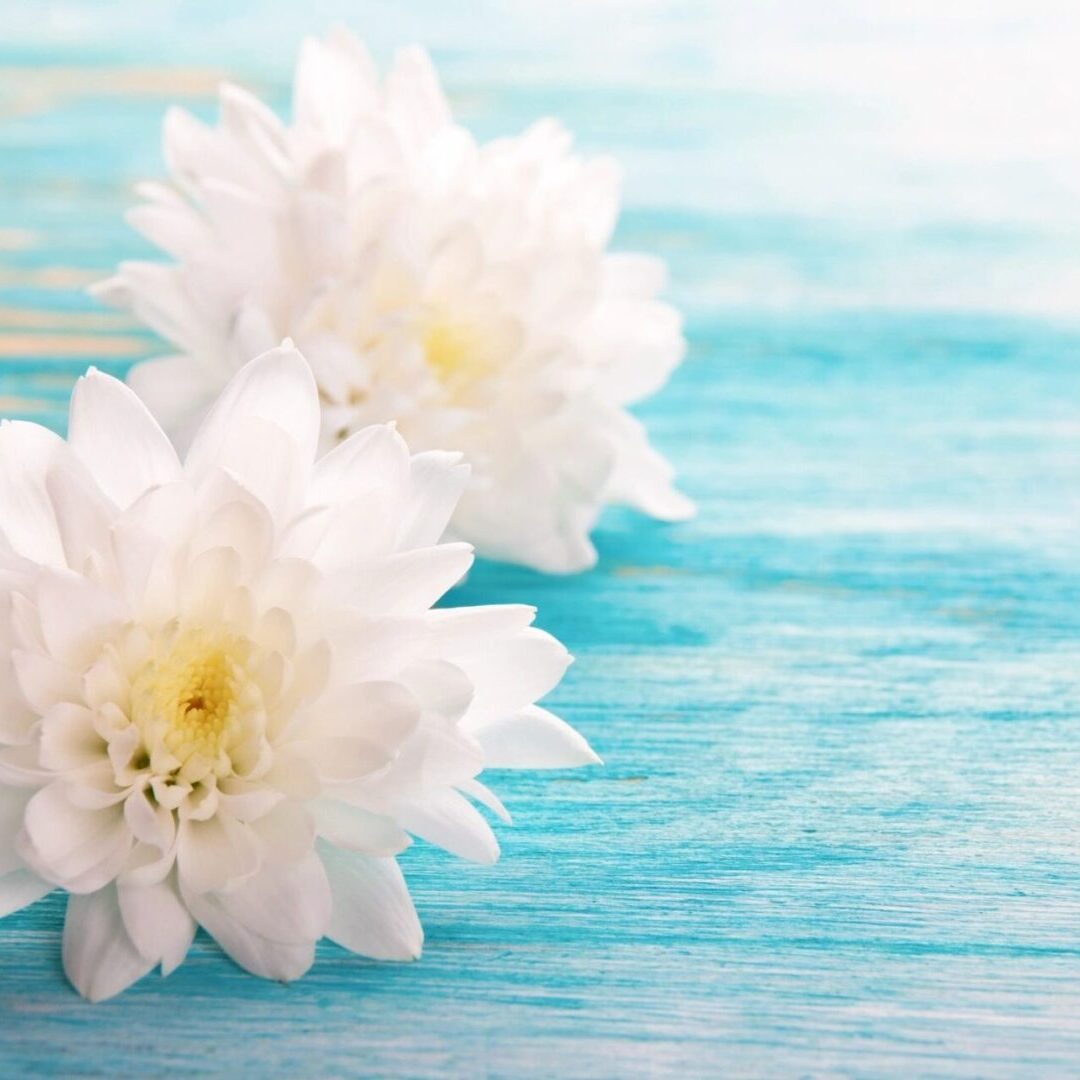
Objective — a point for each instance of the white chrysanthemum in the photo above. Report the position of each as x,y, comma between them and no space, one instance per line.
225,699
462,291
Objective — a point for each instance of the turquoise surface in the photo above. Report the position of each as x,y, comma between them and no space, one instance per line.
837,828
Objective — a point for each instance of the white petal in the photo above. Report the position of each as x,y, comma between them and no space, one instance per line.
177,390
112,431
382,713
212,853
454,632
437,481
286,903
278,387
287,832
411,581
340,759
79,848
241,522
178,229
43,681
267,461
378,649
21,768
512,673
486,797
261,956
247,802
150,823
375,454
285,583
68,738
331,86
357,830
16,717
207,583
157,295
253,332
158,924
533,739
373,913
12,807
452,822
635,275
642,478
84,515
249,120
336,538
414,99
77,616
20,889
440,687
99,958
27,522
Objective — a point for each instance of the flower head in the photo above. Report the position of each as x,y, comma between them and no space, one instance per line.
227,700
463,291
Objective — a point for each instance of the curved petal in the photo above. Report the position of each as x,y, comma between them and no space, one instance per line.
68,738
376,453
382,713
99,957
212,853
84,515
356,829
284,902
410,581
113,433
27,453
157,922
331,84
20,889
12,808
643,478
76,616
43,682
373,912
177,390
414,99
78,848
262,957
437,480
277,386
267,461
533,739
450,821
513,673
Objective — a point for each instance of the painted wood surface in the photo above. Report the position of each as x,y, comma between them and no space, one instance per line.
838,828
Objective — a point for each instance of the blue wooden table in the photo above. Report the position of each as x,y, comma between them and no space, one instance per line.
838,829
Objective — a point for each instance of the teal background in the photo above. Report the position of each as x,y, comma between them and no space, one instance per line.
837,829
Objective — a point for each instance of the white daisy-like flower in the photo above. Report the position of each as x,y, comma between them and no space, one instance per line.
465,292
225,699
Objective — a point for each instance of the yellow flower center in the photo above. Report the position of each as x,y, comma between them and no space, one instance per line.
193,698
457,353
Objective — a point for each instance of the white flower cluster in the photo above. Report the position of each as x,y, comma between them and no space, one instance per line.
227,699
463,291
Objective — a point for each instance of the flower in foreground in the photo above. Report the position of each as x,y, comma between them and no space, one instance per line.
464,291
227,701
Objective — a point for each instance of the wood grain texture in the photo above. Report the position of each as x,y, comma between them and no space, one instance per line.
837,828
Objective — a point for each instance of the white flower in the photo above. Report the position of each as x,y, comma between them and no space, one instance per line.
226,700
463,291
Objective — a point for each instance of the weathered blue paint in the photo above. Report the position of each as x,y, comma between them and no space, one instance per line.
837,829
